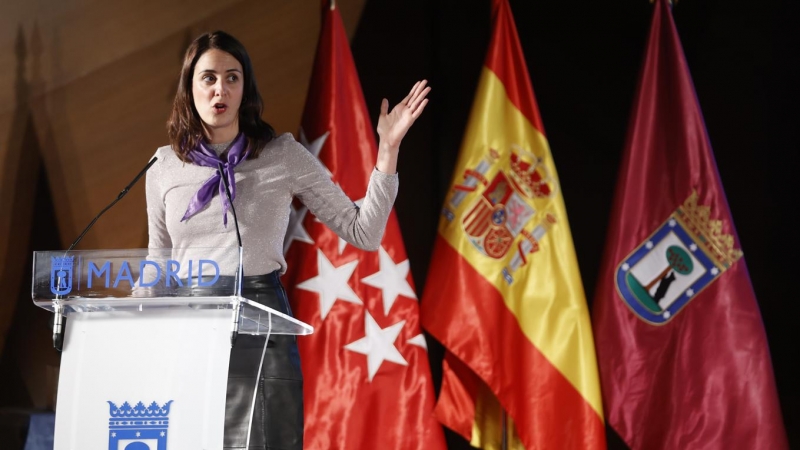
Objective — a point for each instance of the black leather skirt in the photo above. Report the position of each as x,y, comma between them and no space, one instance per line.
278,407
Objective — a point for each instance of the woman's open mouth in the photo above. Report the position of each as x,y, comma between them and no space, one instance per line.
220,108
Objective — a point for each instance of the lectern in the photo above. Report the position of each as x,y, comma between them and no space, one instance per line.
146,346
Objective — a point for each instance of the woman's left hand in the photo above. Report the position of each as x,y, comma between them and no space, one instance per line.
392,126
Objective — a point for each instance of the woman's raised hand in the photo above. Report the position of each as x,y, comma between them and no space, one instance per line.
393,126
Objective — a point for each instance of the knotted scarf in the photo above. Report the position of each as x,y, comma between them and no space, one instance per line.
202,155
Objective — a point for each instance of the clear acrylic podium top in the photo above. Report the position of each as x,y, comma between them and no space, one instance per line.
84,281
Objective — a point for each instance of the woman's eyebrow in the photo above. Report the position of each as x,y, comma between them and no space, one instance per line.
214,71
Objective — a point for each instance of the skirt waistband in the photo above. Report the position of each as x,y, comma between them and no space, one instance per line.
272,279
249,282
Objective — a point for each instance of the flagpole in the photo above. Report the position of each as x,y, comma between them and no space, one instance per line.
504,444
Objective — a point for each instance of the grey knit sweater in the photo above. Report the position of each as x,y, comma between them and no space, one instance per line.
265,187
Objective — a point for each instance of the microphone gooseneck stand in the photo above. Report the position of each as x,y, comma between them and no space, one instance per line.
237,307
58,319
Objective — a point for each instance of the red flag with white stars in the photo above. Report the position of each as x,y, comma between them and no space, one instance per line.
367,383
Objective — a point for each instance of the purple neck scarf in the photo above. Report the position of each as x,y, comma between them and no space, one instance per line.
204,156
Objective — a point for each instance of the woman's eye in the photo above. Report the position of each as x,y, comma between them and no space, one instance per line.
233,78
208,78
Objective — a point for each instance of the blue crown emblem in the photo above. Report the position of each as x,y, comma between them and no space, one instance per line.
138,427
61,274
139,411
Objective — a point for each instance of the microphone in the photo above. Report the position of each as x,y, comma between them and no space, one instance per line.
239,274
58,319
119,197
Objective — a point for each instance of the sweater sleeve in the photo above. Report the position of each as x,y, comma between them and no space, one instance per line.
361,226
158,236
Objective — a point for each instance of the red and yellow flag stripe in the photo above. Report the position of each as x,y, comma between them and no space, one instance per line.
506,297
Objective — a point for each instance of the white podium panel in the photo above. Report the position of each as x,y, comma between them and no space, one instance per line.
147,344
150,377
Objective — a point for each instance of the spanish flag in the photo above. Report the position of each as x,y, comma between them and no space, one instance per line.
504,292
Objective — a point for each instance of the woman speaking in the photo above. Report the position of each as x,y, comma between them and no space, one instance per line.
216,119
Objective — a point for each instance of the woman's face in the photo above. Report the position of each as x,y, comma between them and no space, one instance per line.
217,87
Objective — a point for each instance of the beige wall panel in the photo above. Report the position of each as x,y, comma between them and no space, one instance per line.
88,34
20,163
19,168
8,180
97,133
14,125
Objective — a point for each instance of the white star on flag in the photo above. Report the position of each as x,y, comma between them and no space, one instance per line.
378,344
315,146
296,231
138,434
342,242
392,279
419,341
331,283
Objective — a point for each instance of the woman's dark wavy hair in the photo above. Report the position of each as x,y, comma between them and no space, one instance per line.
185,127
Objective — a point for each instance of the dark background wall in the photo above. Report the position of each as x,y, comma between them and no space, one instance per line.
584,58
